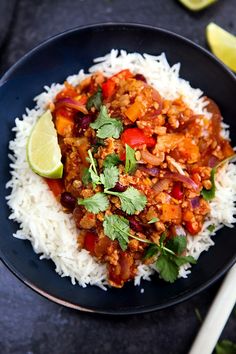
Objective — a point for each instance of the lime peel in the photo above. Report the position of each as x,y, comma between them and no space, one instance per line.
222,44
43,150
197,5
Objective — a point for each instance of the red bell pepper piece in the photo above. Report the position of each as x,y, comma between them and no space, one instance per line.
109,86
108,89
90,240
177,192
135,137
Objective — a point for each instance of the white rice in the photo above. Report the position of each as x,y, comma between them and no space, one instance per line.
52,232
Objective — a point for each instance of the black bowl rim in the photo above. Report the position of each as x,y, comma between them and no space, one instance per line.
143,309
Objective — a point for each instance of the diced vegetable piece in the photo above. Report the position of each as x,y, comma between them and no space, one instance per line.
55,185
171,213
64,122
135,111
108,89
90,240
177,192
135,137
193,227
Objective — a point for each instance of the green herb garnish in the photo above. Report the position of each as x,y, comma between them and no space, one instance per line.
86,178
109,177
210,194
117,228
106,126
95,100
130,160
131,200
111,160
98,202
153,220
225,347
169,259
211,228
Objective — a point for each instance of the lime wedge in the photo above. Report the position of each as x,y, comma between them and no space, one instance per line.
43,151
222,44
197,5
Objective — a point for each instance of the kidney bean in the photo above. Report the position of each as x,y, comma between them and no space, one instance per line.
67,200
119,187
140,77
135,224
82,123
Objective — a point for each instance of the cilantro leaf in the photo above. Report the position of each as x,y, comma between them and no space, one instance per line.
225,347
106,126
130,160
86,177
167,268
95,100
109,177
209,194
111,160
117,228
211,228
151,251
153,220
131,200
180,260
98,202
177,244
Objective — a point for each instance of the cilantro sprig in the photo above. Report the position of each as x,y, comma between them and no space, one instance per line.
132,200
169,256
169,253
106,126
209,194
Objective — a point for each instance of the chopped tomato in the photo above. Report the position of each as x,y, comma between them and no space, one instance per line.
135,137
55,185
177,192
90,240
108,89
109,86
193,227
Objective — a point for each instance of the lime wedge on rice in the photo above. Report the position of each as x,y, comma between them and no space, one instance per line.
197,5
222,44
43,151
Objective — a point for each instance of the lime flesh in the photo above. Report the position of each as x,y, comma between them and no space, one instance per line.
197,5
222,44
43,151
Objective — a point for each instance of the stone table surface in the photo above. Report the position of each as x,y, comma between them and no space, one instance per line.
28,322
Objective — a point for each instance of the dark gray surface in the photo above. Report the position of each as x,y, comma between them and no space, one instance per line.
31,324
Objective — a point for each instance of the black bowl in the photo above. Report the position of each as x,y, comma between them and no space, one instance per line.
53,61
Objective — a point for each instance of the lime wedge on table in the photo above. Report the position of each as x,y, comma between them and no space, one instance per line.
222,44
43,151
197,5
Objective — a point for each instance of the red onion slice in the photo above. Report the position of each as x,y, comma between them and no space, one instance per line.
181,178
71,103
